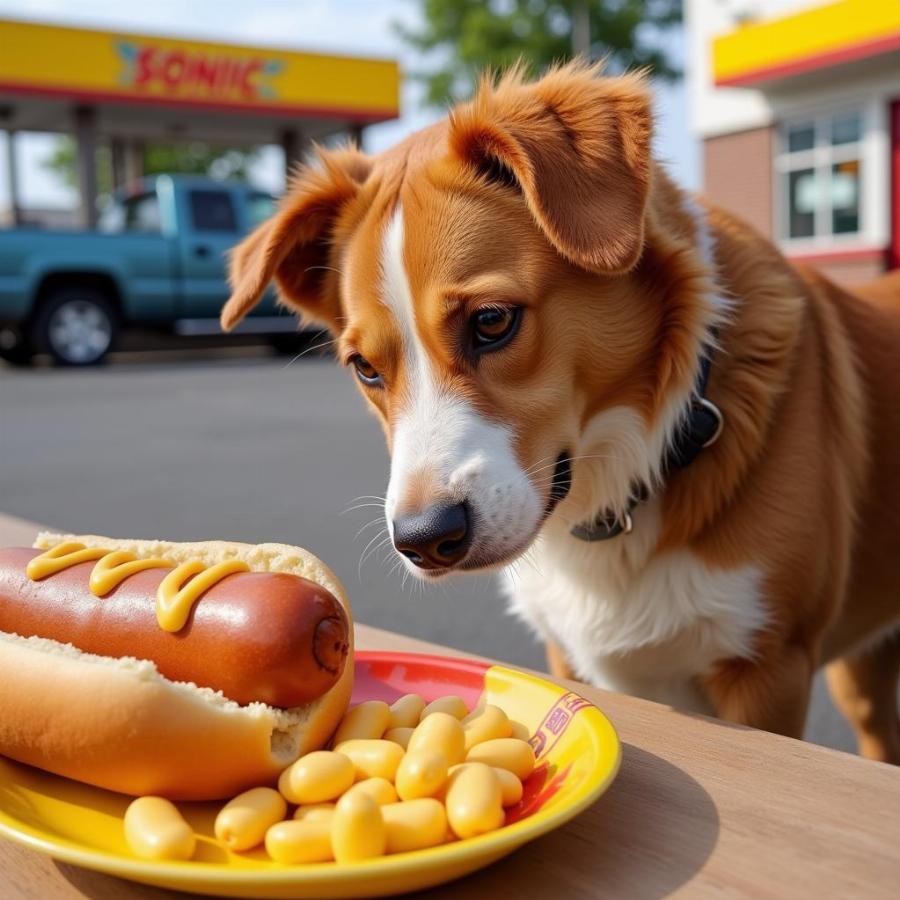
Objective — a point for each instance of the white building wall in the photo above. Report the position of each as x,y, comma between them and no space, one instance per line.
715,110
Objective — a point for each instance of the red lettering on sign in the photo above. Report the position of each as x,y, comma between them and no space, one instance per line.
205,72
189,73
250,83
143,71
172,70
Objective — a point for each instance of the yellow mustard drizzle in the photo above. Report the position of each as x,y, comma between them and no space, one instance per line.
175,596
61,557
175,599
111,570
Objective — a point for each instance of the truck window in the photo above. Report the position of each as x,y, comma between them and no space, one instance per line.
138,213
259,208
212,210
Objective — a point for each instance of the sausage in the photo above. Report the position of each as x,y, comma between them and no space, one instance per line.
270,637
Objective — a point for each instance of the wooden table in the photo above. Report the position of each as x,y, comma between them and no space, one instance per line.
699,809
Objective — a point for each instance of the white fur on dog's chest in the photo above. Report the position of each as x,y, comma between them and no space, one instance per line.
631,622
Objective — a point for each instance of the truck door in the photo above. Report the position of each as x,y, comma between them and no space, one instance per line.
208,229
134,232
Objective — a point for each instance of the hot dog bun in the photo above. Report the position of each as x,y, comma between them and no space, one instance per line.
118,724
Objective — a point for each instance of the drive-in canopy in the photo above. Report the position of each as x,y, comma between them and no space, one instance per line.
133,88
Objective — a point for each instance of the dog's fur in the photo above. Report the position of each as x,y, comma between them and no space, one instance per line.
775,552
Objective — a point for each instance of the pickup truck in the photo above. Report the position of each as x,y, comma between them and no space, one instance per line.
157,261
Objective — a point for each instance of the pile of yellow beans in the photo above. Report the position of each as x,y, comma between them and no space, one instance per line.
401,777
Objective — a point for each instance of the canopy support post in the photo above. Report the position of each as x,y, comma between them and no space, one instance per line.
86,139
12,179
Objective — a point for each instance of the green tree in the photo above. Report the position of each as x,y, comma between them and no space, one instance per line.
189,158
465,37
61,162
197,158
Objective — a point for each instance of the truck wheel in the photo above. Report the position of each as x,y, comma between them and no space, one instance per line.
15,348
77,326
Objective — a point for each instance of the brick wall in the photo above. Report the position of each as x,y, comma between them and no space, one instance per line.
847,272
737,175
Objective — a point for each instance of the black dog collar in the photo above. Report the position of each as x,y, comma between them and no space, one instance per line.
700,429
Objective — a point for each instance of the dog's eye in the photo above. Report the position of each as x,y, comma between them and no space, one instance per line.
494,326
365,371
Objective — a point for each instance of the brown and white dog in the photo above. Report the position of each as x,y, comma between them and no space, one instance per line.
527,299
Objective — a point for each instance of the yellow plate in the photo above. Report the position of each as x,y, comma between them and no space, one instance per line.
578,756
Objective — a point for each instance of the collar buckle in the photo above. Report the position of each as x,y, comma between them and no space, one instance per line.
716,413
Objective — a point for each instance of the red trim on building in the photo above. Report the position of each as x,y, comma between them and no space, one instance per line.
838,256
78,95
894,256
811,63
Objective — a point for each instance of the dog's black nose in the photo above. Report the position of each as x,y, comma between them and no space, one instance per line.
436,538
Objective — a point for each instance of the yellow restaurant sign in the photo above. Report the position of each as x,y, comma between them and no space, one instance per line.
111,66
816,36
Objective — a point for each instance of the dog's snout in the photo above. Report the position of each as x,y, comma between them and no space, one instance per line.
436,538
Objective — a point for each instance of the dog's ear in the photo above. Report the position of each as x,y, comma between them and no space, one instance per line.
294,246
577,146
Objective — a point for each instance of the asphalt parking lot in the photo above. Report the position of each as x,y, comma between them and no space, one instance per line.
242,445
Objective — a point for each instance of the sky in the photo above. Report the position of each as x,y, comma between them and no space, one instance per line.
342,26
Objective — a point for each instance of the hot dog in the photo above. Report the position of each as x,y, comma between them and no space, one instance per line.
98,684
266,637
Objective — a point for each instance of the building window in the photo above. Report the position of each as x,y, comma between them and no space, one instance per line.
820,173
